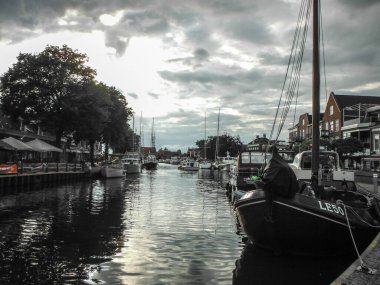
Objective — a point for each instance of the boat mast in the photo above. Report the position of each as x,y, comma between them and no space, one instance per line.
217,139
133,134
315,92
204,146
153,137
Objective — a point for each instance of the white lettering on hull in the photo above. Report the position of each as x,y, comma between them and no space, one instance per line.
331,208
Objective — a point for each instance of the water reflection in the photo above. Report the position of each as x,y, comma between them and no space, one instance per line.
156,227
258,266
55,235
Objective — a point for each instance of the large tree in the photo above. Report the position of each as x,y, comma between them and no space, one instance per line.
42,86
227,143
115,133
91,110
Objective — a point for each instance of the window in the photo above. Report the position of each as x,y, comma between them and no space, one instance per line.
331,110
336,125
376,140
332,126
326,125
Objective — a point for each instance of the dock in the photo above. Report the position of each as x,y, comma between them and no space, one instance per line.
356,274
28,181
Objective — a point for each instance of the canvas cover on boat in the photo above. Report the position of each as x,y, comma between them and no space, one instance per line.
279,179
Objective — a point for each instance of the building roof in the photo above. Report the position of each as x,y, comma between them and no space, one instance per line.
349,100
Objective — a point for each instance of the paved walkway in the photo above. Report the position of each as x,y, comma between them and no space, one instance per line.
368,187
353,275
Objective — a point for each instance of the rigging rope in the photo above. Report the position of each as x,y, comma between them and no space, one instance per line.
323,49
295,60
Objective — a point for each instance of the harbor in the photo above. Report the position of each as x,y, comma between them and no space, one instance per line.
159,226
263,158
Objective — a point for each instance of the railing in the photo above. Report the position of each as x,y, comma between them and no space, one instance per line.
50,167
360,121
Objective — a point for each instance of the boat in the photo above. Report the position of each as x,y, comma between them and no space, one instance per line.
205,164
113,170
189,165
329,216
150,162
242,178
131,162
225,163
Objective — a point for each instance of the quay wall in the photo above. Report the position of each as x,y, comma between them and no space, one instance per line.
29,181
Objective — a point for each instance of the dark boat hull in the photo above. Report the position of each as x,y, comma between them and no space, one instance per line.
302,225
150,165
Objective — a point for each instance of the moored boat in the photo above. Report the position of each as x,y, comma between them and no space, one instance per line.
150,162
131,162
327,215
112,171
189,165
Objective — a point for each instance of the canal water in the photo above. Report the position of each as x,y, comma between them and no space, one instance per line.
157,227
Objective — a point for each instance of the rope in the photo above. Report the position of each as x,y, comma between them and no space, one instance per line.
294,45
340,202
293,75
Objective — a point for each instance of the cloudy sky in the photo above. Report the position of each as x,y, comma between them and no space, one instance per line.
177,60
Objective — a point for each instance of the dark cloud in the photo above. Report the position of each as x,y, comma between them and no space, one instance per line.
154,95
231,53
133,95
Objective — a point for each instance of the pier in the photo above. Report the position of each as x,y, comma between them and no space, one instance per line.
366,269
366,273
30,180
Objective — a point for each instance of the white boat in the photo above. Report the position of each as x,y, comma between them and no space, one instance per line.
131,162
112,171
189,165
205,165
226,162
150,162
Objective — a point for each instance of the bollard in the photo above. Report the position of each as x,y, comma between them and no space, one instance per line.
375,183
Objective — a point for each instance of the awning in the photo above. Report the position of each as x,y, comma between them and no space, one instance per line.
41,146
16,144
5,146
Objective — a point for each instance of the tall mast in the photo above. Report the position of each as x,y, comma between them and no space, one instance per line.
133,133
217,139
153,137
204,148
316,90
140,133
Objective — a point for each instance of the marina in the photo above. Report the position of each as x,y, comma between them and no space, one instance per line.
162,226
85,200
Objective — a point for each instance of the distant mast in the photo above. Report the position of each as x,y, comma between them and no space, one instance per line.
217,139
205,140
133,133
153,137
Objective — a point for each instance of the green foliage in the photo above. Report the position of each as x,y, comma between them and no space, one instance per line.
42,87
226,143
348,145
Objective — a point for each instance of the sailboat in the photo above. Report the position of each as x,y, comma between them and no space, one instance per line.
205,164
328,218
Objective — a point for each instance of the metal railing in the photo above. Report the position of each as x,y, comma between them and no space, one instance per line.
51,167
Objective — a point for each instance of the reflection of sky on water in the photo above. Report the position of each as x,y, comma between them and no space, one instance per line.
179,234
